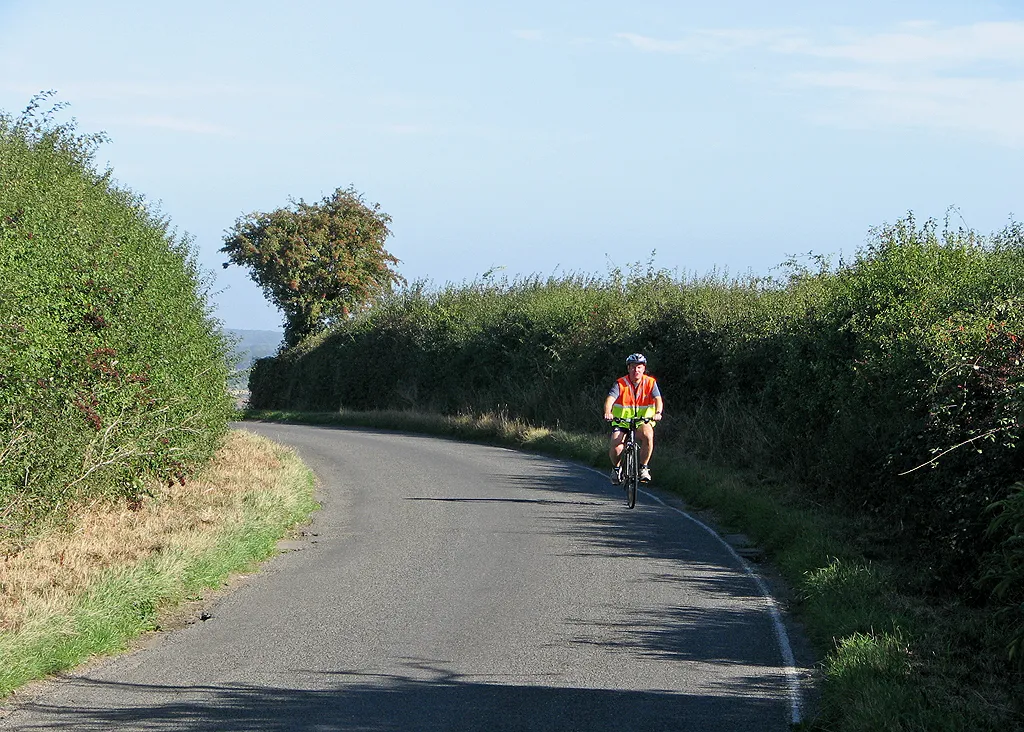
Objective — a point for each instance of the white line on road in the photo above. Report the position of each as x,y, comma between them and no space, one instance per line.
781,636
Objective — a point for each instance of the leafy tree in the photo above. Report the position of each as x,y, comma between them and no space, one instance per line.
316,262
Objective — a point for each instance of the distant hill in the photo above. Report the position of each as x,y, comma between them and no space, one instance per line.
253,344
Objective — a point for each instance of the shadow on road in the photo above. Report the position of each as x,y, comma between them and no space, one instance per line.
368,702
669,549
683,634
537,501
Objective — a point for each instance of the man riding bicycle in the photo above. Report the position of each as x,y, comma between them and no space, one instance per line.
635,395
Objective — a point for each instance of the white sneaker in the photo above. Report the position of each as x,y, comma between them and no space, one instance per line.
645,474
617,476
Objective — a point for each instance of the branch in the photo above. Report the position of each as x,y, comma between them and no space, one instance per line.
992,431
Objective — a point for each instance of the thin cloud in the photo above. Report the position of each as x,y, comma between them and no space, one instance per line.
991,107
407,129
926,44
531,34
918,43
166,91
176,124
966,78
711,43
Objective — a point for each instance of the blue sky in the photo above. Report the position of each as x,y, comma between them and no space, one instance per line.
544,137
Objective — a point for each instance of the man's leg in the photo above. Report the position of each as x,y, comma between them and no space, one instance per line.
645,436
618,438
615,444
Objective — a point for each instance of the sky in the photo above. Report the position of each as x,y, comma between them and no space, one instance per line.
543,138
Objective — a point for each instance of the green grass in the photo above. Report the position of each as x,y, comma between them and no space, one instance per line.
893,658
124,603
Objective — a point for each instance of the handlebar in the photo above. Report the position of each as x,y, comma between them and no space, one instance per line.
633,421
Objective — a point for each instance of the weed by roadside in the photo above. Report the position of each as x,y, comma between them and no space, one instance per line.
91,588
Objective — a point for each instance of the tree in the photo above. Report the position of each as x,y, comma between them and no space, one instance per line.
316,262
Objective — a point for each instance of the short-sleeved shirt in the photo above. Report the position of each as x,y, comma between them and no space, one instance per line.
614,391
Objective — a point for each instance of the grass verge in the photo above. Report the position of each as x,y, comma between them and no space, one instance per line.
92,587
894,658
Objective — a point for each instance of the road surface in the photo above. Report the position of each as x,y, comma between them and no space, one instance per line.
448,586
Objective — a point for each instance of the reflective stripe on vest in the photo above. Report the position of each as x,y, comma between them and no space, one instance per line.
632,402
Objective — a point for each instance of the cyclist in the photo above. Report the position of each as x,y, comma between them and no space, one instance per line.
634,395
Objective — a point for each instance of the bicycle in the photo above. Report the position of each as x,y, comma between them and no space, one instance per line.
629,462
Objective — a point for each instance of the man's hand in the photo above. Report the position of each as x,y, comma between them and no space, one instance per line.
657,417
608,417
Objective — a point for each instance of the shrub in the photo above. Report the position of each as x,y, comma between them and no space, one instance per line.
111,367
1005,567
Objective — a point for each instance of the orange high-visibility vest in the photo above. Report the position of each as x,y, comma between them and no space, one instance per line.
638,402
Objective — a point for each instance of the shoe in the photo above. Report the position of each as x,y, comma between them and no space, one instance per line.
645,474
616,476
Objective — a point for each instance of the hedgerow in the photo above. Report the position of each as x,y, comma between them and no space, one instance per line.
888,385
111,368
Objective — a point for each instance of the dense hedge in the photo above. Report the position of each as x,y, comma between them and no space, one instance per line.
111,368
889,384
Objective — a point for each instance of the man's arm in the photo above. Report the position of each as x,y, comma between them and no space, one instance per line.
659,407
608,402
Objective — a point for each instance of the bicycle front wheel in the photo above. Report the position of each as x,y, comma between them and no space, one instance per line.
632,473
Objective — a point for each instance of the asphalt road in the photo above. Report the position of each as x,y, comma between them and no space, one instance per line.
446,586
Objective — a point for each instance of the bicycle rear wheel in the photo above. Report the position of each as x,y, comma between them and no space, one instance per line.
632,473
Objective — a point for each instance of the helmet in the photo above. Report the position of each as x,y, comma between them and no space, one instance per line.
636,358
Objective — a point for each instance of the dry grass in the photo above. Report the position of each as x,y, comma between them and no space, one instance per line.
44,579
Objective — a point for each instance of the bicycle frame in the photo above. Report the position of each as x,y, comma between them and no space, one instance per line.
629,462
